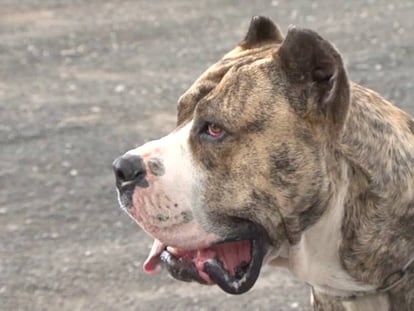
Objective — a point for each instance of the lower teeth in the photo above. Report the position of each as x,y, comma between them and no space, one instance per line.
230,284
241,270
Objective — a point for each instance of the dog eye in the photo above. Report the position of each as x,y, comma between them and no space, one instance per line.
214,131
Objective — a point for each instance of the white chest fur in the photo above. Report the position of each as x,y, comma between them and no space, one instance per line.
315,259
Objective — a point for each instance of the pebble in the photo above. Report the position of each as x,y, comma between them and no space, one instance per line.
120,88
294,305
73,172
87,253
95,109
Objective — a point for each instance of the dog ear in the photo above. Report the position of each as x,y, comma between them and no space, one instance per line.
315,68
261,29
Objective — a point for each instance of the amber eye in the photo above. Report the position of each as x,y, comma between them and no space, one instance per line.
214,131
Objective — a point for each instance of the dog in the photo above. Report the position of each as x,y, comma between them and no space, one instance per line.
278,158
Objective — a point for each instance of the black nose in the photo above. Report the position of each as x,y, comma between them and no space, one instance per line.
129,168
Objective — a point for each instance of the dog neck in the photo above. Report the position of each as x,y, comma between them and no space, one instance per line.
334,254
315,258
378,216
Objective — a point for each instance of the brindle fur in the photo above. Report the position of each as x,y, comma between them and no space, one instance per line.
294,119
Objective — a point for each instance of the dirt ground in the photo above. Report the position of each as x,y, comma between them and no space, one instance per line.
83,81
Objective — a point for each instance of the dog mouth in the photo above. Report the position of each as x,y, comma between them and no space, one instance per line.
232,265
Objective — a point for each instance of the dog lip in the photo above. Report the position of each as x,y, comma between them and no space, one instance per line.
233,263
126,189
182,270
240,284
181,265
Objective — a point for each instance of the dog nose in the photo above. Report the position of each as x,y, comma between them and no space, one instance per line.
129,168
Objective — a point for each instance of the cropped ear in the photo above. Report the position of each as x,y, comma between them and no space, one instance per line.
314,68
261,30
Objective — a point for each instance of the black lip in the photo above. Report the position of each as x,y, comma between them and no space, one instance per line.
125,195
180,269
126,190
240,284
237,284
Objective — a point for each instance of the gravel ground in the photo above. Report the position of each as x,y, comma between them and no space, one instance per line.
83,81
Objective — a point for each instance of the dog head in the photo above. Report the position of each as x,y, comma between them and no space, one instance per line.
245,169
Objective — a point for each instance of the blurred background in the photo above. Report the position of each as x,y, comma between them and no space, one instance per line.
83,81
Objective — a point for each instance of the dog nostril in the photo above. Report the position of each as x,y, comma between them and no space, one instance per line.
119,175
128,168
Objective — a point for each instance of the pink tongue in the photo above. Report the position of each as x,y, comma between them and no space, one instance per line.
231,255
234,254
152,263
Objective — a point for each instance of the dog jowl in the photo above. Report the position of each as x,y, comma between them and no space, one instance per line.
277,158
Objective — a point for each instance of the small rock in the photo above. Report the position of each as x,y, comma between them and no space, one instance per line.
120,88
87,253
294,305
95,109
73,172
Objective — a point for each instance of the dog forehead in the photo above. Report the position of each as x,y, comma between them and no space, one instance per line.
228,66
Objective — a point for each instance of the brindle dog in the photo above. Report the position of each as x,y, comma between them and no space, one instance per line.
278,158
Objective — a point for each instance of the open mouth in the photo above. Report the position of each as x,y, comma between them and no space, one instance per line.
233,265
